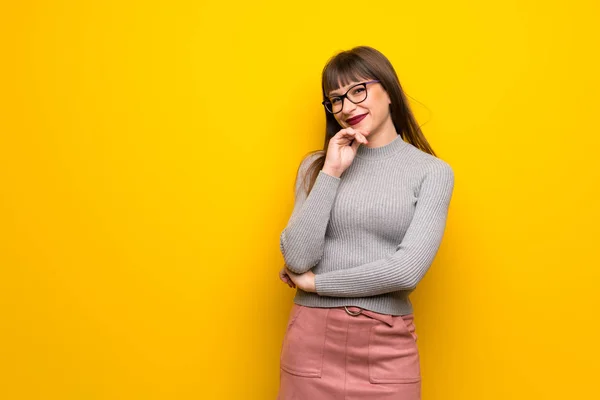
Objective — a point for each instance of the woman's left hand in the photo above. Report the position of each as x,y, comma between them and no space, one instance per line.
305,281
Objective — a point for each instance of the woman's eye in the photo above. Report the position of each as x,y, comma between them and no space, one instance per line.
335,100
358,90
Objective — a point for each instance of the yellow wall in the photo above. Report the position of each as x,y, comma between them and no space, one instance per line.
147,153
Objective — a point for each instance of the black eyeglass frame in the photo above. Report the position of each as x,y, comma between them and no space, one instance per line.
345,96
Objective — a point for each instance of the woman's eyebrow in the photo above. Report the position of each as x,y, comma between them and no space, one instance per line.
332,94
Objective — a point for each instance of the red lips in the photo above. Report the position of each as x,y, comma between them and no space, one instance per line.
356,120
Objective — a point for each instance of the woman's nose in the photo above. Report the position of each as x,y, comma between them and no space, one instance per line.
348,107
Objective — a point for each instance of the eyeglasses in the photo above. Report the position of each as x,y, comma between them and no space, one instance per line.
356,94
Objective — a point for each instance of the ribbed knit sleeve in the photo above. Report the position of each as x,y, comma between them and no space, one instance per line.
403,269
302,240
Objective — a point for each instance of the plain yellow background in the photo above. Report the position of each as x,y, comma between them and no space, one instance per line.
147,156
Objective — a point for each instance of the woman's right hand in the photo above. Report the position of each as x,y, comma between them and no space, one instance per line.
340,152
285,278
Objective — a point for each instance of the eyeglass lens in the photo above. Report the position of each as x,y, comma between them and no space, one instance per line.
355,95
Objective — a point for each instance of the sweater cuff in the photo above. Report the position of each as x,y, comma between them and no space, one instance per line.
320,286
324,175
325,287
317,284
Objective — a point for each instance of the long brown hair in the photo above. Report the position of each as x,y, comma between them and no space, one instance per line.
364,62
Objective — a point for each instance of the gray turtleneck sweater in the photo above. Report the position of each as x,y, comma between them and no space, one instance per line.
371,235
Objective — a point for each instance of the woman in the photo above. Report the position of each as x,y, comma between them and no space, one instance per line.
369,215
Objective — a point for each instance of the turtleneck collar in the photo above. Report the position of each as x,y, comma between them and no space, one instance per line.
374,153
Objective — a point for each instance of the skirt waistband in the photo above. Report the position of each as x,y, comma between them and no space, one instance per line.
357,311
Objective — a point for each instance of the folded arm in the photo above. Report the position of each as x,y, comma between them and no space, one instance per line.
303,239
406,267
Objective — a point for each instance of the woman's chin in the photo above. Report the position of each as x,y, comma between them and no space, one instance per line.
363,126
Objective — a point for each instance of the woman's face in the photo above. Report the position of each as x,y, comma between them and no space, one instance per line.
374,110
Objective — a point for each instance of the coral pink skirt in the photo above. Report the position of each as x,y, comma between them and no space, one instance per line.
349,353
